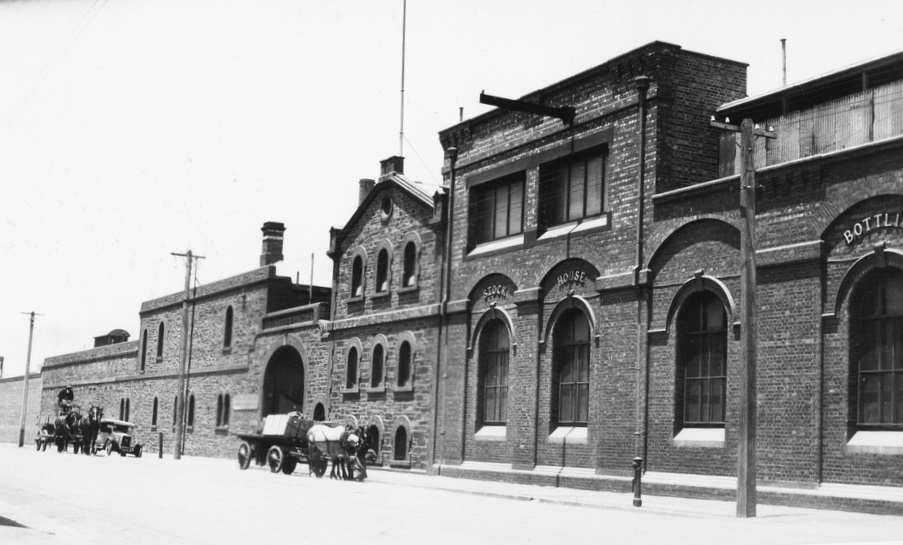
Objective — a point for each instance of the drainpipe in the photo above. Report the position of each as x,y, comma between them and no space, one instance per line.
444,290
642,354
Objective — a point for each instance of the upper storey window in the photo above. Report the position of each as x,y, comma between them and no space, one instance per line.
382,271
409,275
357,277
573,188
497,209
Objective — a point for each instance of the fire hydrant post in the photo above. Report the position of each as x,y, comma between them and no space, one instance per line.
637,482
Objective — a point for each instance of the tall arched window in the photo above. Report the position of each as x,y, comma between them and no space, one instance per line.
571,369
376,366
351,371
404,364
160,332
382,271
702,361
175,411
409,274
122,408
191,411
154,413
401,444
493,374
227,408
127,411
222,410
877,349
357,277
143,349
227,332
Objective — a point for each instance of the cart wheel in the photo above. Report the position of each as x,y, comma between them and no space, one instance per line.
244,455
275,457
288,467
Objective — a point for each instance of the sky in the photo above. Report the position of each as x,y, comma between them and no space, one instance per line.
131,130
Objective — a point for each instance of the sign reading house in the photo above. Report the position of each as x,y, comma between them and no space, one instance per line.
573,274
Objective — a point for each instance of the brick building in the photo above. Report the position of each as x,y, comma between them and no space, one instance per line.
570,298
595,308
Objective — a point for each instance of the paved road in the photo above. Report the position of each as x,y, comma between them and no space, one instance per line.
69,499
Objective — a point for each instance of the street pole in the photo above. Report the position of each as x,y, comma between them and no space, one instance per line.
746,456
25,382
183,363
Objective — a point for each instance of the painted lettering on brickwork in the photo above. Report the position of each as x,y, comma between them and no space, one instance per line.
571,277
871,223
495,292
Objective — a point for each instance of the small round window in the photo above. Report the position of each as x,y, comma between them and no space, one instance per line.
386,208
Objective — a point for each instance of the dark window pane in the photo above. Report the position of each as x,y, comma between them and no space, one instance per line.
582,403
410,264
557,196
566,399
868,399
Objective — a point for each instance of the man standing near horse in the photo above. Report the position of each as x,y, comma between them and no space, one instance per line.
65,398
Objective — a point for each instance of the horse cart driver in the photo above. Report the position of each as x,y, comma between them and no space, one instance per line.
64,399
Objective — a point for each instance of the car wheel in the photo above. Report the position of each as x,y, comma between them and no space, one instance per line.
109,449
138,451
44,446
244,455
275,457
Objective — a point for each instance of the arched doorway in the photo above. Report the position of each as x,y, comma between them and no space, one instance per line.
374,440
283,382
319,413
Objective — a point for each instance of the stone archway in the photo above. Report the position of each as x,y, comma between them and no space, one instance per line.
284,382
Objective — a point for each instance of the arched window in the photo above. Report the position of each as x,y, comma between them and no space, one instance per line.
154,413
357,277
409,275
160,332
227,333
191,411
382,271
122,408
143,350
227,408
376,366
877,349
127,411
401,444
702,361
493,375
222,410
404,364
175,411
319,413
351,371
570,389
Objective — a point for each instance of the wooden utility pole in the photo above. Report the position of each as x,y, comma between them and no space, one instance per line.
746,445
746,427
25,381
183,360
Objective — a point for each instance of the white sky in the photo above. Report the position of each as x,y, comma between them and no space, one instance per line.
132,129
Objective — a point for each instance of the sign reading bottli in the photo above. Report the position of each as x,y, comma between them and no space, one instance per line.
871,223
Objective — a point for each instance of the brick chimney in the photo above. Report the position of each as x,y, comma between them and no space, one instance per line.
392,164
366,186
272,243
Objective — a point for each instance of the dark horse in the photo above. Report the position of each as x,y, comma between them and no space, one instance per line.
89,425
63,428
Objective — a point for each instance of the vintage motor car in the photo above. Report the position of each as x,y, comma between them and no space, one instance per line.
118,436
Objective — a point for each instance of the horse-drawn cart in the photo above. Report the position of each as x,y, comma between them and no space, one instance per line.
281,444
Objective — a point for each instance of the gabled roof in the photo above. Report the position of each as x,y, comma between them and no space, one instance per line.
420,191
